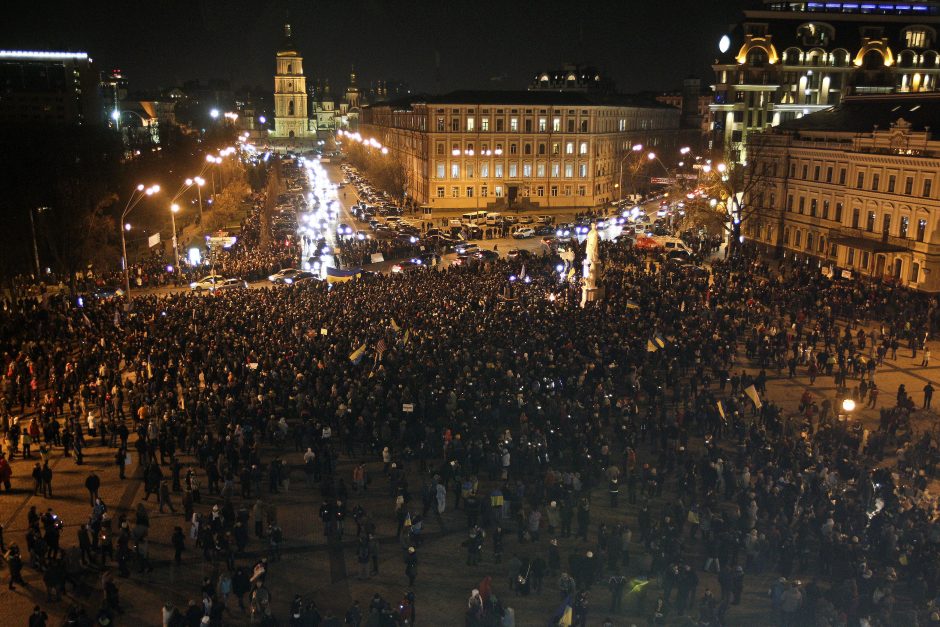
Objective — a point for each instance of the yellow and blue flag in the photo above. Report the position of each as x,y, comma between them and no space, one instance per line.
632,304
356,355
335,275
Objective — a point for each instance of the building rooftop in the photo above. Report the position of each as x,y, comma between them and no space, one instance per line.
861,114
526,98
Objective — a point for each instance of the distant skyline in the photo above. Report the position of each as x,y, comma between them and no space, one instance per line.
650,45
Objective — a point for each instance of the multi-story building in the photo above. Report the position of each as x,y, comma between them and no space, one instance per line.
44,87
852,190
787,59
695,104
556,149
291,114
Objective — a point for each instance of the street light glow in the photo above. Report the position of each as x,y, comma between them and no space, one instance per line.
848,405
722,167
637,147
140,187
651,156
174,207
214,113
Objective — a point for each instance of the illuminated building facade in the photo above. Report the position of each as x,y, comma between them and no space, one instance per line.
788,59
46,87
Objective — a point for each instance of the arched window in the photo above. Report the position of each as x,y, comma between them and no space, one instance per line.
907,58
290,68
757,57
290,108
873,60
792,56
839,57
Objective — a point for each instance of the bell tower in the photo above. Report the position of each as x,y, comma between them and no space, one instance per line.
290,91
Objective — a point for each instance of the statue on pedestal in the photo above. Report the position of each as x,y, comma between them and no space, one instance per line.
592,267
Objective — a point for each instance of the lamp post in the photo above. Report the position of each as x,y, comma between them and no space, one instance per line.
174,208
636,148
32,226
198,181
139,193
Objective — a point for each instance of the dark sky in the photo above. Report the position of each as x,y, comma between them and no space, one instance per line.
641,44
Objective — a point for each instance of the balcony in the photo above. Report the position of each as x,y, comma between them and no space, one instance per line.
871,241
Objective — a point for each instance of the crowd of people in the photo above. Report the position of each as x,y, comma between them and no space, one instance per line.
612,452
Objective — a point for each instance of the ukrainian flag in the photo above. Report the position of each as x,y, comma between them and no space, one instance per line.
356,355
395,326
651,347
632,304
660,340
335,275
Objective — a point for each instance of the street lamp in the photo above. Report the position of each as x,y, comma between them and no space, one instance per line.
139,193
214,113
198,181
174,208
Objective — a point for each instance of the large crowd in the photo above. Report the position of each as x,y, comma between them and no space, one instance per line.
488,389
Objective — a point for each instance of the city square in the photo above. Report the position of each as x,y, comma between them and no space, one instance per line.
590,345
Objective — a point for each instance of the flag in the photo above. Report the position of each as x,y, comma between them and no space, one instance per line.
566,617
522,272
570,273
751,392
86,320
379,351
660,340
395,326
651,347
564,614
407,336
335,275
408,519
632,304
153,240
682,306
721,410
356,355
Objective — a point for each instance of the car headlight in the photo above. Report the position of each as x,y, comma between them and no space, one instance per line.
193,285
272,278
288,280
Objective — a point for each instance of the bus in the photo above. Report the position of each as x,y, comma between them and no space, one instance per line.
475,217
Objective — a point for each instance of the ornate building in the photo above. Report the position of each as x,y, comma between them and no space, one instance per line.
854,190
787,59
324,110
290,92
351,105
476,149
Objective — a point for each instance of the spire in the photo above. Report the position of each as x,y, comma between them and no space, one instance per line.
326,87
287,44
352,75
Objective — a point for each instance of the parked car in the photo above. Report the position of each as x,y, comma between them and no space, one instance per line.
215,282
524,233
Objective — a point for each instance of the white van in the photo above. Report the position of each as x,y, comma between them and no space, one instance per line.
493,219
670,244
454,222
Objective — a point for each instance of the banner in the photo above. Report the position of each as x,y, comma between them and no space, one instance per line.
721,410
356,355
651,347
632,304
395,326
153,240
335,275
751,392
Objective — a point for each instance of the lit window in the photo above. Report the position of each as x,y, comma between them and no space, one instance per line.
543,125
471,124
569,170
582,171
540,170
484,124
498,170
569,148
514,125
498,191
455,170
441,170
513,170
583,148
440,192
484,170
455,192
556,170
916,38
526,169
556,126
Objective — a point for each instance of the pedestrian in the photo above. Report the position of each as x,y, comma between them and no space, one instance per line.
46,480
178,540
411,566
928,395
164,495
926,358
92,484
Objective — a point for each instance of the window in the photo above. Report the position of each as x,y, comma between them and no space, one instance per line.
541,149
825,213
875,179
569,148
528,125
790,202
773,200
498,170
553,191
928,183
469,170
513,170
834,250
582,190
455,126
584,128
786,236
850,257
921,230
915,273
440,148
471,124
527,169
499,125
583,148
842,176
809,242
803,176
829,175
866,258
860,182
455,170
540,191
886,224
484,170
484,124
514,125
904,226
798,238
556,127
812,207
870,223
567,190
543,125
792,170
570,127
440,191
909,185
556,170
802,204
838,216
569,170
582,170
540,170
498,191
816,173
484,191
527,149
455,192
440,126
891,181
513,148
469,191
556,148
916,38
855,216
441,170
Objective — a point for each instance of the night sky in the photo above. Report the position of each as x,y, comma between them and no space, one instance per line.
641,44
